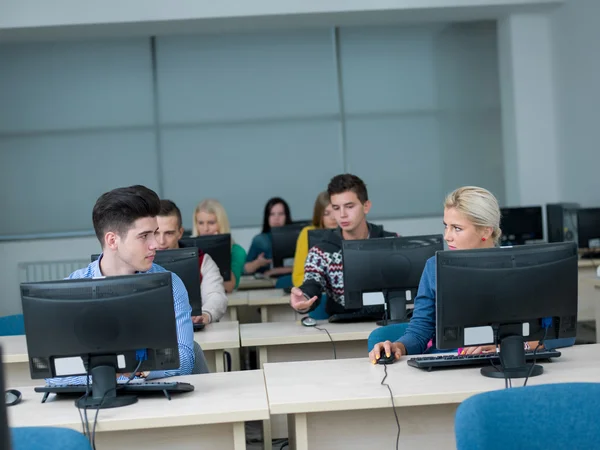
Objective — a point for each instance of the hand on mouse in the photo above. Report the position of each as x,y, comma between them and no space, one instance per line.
204,318
388,348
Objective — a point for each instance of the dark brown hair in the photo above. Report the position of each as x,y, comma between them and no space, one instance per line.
348,182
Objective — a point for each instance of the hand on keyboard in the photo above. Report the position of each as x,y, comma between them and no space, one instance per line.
388,348
478,350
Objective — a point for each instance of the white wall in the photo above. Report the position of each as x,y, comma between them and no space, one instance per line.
577,65
13,253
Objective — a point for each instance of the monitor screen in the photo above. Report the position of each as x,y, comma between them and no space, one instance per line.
520,225
391,266
588,228
218,246
113,324
284,243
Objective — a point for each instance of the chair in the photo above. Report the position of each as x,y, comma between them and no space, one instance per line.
320,312
45,438
388,333
200,364
12,325
545,417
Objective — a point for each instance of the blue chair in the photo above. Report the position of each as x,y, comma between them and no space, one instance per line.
388,333
551,416
45,438
284,281
320,313
12,325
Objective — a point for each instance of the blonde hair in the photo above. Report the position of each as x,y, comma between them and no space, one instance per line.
479,206
321,203
212,206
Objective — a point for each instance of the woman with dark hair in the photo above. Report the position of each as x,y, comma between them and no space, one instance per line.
277,214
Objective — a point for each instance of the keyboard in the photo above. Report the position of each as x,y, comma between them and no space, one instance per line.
365,314
134,387
449,361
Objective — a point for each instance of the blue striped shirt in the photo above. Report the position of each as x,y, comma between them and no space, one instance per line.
183,318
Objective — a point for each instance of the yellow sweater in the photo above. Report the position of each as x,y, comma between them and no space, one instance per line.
300,256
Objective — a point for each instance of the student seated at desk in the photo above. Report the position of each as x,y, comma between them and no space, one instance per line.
170,230
323,217
471,221
324,268
210,218
260,256
125,223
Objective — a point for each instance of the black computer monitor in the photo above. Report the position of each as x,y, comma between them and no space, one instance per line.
114,324
500,295
520,225
218,246
317,236
588,228
391,266
284,243
184,262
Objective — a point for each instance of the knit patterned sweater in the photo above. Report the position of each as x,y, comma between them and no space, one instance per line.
324,269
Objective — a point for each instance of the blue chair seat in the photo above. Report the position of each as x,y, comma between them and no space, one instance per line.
46,438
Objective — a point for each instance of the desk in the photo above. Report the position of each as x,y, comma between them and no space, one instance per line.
234,300
346,395
214,339
210,417
588,262
248,282
16,362
274,305
588,301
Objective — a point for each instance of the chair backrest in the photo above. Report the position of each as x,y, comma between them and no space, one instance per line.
391,332
200,365
534,417
12,325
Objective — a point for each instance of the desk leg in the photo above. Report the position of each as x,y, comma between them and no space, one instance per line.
262,356
298,431
233,313
219,365
264,314
239,436
267,436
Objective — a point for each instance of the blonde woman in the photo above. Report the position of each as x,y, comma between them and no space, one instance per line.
471,220
210,218
322,218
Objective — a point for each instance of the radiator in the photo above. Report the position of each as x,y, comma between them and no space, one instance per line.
49,270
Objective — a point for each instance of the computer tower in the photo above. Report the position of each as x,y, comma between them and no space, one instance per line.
562,221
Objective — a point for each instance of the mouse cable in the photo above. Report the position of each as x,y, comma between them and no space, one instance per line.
539,345
383,383
330,338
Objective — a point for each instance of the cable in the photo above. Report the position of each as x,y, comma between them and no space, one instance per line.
383,383
284,445
330,338
540,343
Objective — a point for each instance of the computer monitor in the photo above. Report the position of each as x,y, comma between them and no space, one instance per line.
520,225
284,243
113,325
391,266
317,236
506,296
588,228
218,246
184,262
561,220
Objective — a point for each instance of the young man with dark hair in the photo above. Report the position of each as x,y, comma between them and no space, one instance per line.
324,268
125,224
170,230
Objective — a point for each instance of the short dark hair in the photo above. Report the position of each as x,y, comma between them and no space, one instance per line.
118,209
272,202
348,182
169,208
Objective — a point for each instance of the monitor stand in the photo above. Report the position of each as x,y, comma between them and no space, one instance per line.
104,386
396,308
512,355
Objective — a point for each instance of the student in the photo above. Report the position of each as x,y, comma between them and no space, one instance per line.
210,218
324,268
471,220
170,230
322,218
125,224
260,255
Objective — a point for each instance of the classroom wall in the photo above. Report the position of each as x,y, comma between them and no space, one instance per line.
576,42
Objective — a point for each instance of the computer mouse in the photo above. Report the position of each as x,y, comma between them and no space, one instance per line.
308,321
199,326
12,397
386,359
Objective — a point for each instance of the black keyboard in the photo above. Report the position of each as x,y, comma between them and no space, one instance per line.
134,387
448,361
365,314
